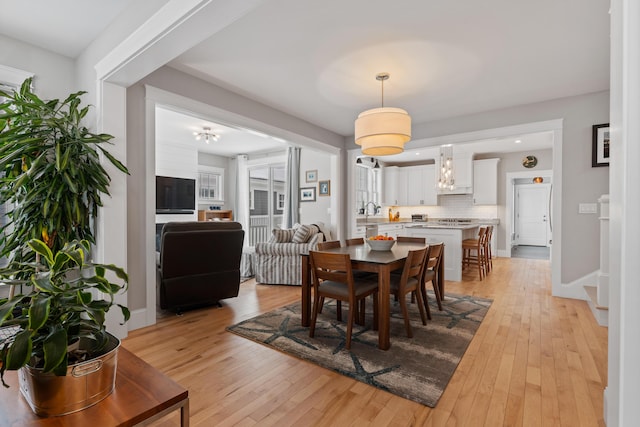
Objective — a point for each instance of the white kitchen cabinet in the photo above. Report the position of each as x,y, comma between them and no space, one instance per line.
390,196
452,239
429,187
414,180
360,231
485,182
462,172
402,190
421,185
393,230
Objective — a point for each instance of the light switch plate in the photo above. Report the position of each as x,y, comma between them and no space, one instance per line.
588,208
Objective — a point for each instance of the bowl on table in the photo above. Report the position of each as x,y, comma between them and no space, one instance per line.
380,245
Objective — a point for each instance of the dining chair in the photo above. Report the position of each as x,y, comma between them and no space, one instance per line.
407,239
354,241
469,257
433,259
333,278
332,244
411,281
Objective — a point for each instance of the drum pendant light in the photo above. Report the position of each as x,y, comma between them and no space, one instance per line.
383,131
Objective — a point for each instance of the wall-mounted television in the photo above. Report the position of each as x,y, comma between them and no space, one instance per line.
175,195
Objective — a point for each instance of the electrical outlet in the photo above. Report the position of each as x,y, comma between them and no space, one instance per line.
588,208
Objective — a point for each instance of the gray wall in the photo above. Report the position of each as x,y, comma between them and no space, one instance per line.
512,162
54,74
312,212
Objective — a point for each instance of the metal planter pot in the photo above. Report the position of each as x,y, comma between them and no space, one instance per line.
85,384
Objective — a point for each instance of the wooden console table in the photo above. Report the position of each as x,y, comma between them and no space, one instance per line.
213,215
142,395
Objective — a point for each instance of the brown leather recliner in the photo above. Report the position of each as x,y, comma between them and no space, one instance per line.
199,263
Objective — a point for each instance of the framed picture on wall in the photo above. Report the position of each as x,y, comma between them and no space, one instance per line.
308,194
324,188
600,145
311,176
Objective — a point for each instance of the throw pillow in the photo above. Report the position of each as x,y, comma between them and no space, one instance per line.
281,236
302,234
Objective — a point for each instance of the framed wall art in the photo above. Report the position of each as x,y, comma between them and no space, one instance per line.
311,176
308,194
600,145
324,188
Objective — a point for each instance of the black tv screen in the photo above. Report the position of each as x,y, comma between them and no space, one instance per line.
175,194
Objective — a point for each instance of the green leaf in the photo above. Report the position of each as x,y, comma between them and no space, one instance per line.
39,311
55,349
41,248
125,312
44,284
20,351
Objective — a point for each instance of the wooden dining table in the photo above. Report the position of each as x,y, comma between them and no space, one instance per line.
365,259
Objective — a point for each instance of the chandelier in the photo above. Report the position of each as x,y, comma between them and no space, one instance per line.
383,131
446,180
206,135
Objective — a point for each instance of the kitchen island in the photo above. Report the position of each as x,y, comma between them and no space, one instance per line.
452,236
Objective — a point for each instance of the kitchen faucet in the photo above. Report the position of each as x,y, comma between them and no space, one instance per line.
366,210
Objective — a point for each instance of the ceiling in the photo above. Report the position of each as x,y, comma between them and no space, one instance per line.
178,128
318,60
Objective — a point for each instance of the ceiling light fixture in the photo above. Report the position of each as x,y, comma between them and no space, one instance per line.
383,131
538,180
446,179
206,135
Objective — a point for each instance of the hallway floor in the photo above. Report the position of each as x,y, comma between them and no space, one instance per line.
530,252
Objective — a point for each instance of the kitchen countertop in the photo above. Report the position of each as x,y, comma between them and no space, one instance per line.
431,223
427,225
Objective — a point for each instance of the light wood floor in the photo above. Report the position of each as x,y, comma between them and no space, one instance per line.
536,360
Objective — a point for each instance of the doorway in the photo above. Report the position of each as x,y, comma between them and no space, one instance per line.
266,201
532,228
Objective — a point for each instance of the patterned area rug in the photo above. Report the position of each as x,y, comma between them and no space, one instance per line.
417,368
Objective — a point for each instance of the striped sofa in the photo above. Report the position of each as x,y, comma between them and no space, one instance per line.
278,261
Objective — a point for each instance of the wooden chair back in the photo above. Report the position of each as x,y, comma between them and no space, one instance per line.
330,266
434,255
333,244
355,241
407,239
413,269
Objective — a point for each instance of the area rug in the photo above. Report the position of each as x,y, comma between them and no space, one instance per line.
417,368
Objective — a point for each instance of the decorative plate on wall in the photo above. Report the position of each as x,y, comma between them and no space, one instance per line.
529,161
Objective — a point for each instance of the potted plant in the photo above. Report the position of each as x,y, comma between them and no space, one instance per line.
59,325
52,183
50,169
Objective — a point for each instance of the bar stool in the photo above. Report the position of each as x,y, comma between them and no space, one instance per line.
489,258
469,257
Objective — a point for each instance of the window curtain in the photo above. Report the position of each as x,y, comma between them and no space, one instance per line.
292,185
242,195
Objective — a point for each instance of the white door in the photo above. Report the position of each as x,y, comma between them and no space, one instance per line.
532,214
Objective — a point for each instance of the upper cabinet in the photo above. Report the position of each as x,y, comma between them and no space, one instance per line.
410,186
485,182
462,172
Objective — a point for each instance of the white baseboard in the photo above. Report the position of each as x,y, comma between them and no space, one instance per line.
138,319
575,289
